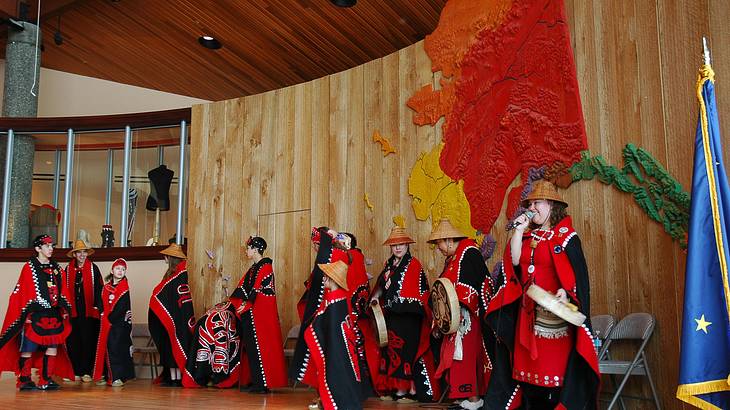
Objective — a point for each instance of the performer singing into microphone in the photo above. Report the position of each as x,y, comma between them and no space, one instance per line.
540,360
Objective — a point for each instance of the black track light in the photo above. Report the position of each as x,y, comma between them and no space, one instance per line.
57,36
209,42
344,3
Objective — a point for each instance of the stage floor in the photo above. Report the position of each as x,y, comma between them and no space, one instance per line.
140,394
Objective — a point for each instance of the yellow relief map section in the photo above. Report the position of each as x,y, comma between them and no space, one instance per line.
435,195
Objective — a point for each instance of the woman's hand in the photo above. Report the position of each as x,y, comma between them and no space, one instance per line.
521,224
562,295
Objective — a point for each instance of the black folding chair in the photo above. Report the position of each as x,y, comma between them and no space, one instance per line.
636,327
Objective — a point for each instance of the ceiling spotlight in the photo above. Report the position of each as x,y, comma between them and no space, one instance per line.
344,3
209,42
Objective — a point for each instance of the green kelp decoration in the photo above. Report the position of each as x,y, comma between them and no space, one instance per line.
653,188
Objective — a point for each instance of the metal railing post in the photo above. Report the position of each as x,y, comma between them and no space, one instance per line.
57,178
6,190
181,183
68,186
109,181
125,184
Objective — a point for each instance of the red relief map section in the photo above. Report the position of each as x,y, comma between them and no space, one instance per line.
509,96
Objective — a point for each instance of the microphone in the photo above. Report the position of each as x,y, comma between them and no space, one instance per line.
512,224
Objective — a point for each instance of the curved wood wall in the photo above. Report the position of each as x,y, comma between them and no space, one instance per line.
278,163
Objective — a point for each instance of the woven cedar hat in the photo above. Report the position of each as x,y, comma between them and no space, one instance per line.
398,236
174,250
79,245
445,230
337,271
543,190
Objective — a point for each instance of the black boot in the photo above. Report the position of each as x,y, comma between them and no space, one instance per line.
45,382
24,382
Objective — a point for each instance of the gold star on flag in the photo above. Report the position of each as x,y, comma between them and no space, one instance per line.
702,324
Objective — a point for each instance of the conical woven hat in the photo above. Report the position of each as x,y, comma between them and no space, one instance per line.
398,236
445,230
543,190
337,271
78,246
174,250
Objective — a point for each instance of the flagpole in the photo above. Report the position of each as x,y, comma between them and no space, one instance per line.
707,51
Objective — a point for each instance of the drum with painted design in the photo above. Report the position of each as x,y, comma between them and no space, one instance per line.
445,306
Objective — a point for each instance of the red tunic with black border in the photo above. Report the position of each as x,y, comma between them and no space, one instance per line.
262,360
39,309
469,376
559,263
543,340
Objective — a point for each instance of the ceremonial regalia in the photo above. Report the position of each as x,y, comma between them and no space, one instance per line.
310,301
114,347
358,285
215,354
38,311
263,365
84,285
403,296
469,374
331,342
533,348
171,320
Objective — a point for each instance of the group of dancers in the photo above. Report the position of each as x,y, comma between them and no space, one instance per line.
508,350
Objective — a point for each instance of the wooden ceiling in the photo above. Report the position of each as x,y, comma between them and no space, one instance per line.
267,44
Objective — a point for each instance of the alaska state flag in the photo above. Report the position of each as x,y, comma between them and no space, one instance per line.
705,350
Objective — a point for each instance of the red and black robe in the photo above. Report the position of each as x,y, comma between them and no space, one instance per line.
331,344
38,309
403,296
469,375
506,311
84,285
368,351
171,320
215,354
309,303
114,347
263,364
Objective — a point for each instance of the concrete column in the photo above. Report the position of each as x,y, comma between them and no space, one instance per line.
22,68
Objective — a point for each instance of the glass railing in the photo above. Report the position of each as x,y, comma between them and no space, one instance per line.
123,178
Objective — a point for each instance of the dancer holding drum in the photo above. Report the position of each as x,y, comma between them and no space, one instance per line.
463,357
406,369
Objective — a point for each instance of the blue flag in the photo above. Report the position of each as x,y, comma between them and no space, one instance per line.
704,372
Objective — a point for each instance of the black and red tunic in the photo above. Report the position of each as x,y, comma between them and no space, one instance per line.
215,355
403,296
309,303
263,363
530,349
333,359
171,320
38,309
469,367
114,348
84,285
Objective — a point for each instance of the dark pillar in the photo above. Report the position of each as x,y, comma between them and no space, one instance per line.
20,99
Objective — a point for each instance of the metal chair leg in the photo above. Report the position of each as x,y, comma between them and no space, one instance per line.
651,382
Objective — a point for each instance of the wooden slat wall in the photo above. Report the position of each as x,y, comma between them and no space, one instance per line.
302,156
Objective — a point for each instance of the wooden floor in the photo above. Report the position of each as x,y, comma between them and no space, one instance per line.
140,394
